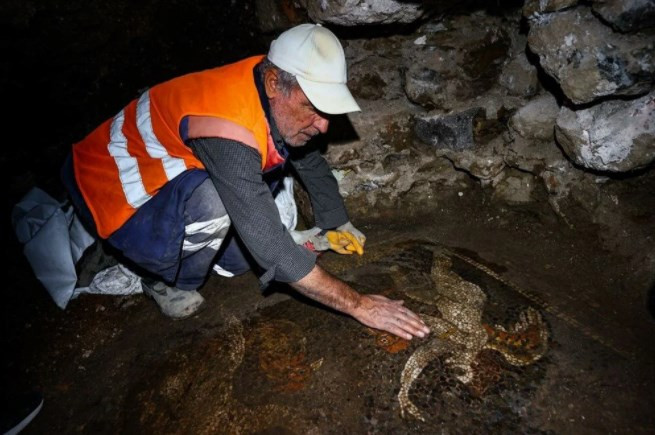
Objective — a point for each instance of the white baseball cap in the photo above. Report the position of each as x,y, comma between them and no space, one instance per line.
315,57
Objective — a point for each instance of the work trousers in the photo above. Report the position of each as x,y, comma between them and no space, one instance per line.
184,231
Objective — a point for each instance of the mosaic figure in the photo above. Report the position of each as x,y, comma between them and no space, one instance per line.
460,334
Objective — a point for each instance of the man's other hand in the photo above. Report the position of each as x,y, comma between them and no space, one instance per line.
389,315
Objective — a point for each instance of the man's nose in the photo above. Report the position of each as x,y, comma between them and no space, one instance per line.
321,123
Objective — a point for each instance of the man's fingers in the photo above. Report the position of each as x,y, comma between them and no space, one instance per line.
391,316
379,298
399,332
405,330
407,317
406,322
412,324
412,315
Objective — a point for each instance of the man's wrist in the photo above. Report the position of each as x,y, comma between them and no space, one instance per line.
357,304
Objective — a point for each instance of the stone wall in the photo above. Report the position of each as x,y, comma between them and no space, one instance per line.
552,102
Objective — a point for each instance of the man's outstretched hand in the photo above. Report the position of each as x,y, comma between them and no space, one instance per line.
389,315
375,311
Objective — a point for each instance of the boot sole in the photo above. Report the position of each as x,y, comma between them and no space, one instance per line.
198,310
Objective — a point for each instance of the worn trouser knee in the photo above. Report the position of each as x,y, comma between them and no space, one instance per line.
206,225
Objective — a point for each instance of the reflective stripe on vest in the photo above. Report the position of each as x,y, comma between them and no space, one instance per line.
128,167
172,166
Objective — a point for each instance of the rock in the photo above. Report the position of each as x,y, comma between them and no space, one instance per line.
277,15
460,60
588,60
357,12
375,77
519,77
514,187
626,15
532,7
536,120
485,167
615,136
534,156
428,88
380,122
559,178
482,59
453,131
490,123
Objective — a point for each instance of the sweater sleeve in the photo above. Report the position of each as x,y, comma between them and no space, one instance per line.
235,170
323,189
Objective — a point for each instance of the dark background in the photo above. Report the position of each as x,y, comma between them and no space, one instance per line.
69,65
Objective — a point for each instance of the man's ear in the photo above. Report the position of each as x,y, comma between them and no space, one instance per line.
270,83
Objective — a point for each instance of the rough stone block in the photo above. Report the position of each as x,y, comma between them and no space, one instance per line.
588,59
616,136
626,15
453,131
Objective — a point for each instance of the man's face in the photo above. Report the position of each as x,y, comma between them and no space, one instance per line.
296,118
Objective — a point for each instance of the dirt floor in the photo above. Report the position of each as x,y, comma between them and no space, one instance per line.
273,363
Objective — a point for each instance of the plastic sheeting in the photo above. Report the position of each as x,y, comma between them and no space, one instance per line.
53,241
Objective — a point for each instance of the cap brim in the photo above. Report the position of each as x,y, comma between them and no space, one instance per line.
331,98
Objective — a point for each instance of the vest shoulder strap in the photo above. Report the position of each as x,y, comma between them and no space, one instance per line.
211,126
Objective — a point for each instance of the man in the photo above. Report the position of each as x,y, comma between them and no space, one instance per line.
183,180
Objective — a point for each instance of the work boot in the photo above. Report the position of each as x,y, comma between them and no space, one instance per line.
173,302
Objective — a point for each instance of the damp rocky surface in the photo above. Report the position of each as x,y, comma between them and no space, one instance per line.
501,168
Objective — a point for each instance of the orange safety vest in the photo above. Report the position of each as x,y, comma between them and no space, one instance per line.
127,159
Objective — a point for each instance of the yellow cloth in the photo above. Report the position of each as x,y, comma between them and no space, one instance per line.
344,242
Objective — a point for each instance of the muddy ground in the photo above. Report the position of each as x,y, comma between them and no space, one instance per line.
272,362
